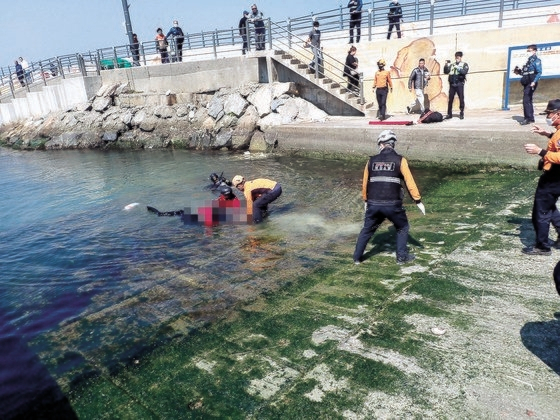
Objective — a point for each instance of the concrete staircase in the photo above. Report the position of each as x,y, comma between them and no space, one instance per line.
333,88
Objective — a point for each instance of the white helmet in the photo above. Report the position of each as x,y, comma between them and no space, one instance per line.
237,179
387,136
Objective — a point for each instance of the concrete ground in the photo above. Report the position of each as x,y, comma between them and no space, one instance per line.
484,136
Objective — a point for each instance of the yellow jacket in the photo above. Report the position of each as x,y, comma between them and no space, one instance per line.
254,189
382,79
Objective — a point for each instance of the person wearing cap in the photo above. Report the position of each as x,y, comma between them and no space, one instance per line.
259,193
382,84
548,187
314,41
457,77
382,192
243,31
530,75
176,33
257,19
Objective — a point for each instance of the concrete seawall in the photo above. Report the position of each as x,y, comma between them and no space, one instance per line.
489,137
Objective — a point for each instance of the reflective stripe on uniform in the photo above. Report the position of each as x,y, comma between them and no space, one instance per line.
385,179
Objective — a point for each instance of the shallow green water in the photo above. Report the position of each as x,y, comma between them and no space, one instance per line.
148,318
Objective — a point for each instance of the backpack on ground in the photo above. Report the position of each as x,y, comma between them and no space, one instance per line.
430,117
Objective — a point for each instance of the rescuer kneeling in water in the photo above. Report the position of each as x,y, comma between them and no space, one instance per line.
259,193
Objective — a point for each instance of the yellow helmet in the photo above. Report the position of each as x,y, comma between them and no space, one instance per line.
381,62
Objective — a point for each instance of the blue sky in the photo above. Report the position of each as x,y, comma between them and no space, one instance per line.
42,29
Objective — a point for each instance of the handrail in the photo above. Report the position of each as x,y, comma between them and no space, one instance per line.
430,15
284,40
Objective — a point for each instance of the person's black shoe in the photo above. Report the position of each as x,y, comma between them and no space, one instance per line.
536,251
525,122
448,117
407,259
461,116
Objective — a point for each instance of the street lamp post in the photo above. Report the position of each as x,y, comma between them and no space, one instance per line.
128,23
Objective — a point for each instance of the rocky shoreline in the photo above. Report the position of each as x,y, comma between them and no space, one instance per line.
231,118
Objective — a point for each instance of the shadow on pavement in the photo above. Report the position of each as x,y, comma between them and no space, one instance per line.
543,340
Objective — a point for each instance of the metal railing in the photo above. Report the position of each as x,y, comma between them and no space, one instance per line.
329,68
428,16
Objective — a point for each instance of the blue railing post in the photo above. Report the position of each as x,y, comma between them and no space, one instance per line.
289,22
432,13
188,37
269,27
341,18
361,85
203,43
115,58
98,63
60,68
501,14
370,23
214,46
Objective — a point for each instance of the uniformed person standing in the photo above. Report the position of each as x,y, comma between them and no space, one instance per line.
383,194
530,75
457,77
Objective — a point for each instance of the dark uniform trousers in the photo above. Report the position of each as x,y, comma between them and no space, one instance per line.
528,111
375,215
260,205
544,207
381,95
458,89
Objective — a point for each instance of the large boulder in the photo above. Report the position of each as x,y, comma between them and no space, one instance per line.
235,104
258,143
215,107
261,99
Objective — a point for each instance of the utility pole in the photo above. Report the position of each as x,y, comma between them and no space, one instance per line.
127,21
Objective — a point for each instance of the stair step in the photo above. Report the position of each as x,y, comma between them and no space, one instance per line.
302,66
327,80
286,56
295,61
279,52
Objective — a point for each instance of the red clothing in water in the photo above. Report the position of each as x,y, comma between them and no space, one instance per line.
210,215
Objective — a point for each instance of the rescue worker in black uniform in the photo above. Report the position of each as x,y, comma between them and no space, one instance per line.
383,195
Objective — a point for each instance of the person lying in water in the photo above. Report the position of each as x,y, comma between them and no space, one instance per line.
225,209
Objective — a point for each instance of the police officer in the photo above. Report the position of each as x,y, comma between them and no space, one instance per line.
530,75
383,194
457,77
548,188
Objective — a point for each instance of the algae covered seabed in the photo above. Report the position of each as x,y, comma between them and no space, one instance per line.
468,330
